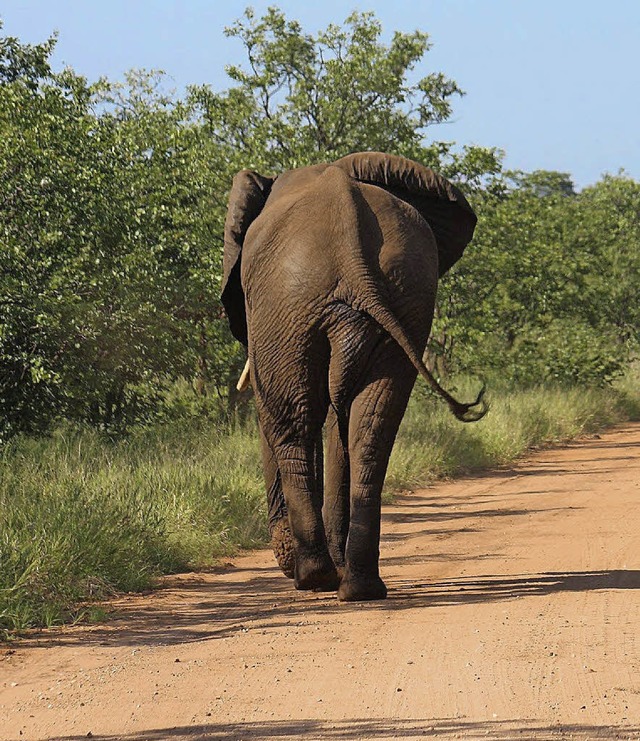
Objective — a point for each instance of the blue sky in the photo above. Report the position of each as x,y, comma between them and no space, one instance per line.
555,83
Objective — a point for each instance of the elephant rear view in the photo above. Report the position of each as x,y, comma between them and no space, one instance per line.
339,276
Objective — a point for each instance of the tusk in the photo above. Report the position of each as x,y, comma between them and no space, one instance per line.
244,379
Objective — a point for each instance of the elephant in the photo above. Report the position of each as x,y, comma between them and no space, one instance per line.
330,274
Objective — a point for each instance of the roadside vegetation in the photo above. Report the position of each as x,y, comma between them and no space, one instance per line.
125,451
431,444
83,516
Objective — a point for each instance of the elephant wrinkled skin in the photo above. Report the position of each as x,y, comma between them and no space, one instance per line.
330,279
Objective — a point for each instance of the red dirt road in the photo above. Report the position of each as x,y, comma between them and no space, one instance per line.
513,613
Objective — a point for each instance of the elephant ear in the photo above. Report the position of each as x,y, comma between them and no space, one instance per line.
249,193
438,201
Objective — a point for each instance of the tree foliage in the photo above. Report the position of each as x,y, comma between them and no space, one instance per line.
107,267
302,99
549,290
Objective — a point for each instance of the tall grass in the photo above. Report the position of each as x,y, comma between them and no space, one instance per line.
431,444
82,517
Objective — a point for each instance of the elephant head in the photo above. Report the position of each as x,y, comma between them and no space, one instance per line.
438,201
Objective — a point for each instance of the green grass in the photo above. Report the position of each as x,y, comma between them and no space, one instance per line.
82,517
431,444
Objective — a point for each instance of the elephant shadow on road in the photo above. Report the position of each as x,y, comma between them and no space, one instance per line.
380,728
203,609
206,610
490,588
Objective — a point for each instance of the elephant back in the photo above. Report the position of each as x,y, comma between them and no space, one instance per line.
440,203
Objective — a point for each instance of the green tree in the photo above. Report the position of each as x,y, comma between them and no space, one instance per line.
548,291
304,98
608,228
42,119
108,220
113,198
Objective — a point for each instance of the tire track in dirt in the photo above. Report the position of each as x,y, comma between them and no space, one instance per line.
513,612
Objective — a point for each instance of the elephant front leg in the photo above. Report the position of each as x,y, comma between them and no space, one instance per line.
336,508
278,516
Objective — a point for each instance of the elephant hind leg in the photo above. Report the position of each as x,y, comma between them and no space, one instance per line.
313,568
375,415
291,416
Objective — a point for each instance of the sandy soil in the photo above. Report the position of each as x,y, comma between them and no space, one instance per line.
513,613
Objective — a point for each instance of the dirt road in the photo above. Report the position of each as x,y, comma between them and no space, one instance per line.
513,613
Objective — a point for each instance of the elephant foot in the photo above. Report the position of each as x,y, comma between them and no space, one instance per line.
319,577
353,589
283,547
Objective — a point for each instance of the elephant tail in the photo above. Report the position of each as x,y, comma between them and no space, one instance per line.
365,295
376,309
